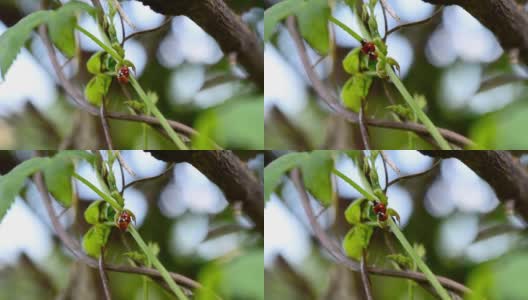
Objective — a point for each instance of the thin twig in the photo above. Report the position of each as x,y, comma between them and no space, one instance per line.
122,14
362,128
500,80
334,103
318,61
123,33
385,171
390,163
385,5
337,253
69,139
364,276
385,21
104,277
75,248
81,102
106,127
148,30
413,23
414,175
122,172
148,178
66,62
496,230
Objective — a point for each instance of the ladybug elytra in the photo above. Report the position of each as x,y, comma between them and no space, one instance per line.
368,48
382,216
379,207
124,218
123,75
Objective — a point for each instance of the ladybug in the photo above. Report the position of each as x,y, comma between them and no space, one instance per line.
124,218
368,48
379,208
123,75
382,216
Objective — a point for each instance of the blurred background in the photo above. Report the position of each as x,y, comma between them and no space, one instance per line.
453,60
199,234
469,236
196,82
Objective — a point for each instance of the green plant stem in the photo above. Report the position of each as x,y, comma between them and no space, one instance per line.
363,192
110,51
157,264
419,262
346,28
417,110
150,256
151,107
114,203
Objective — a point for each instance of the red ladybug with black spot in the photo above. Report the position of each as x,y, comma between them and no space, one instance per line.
124,218
123,75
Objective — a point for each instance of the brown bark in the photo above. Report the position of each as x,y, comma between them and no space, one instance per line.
505,18
230,174
226,27
499,169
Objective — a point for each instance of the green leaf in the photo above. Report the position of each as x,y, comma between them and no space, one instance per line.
353,211
351,61
380,68
380,45
230,279
12,182
154,248
420,100
277,168
278,12
58,177
61,25
313,24
402,111
351,4
316,170
95,212
95,63
355,90
357,239
76,155
97,88
61,33
236,124
401,260
95,239
137,256
14,38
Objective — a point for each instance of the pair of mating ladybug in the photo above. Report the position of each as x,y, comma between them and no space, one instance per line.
123,75
380,210
123,219
368,48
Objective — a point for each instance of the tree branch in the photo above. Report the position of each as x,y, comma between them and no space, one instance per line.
226,27
499,169
104,277
504,18
81,102
334,103
337,253
75,248
230,174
